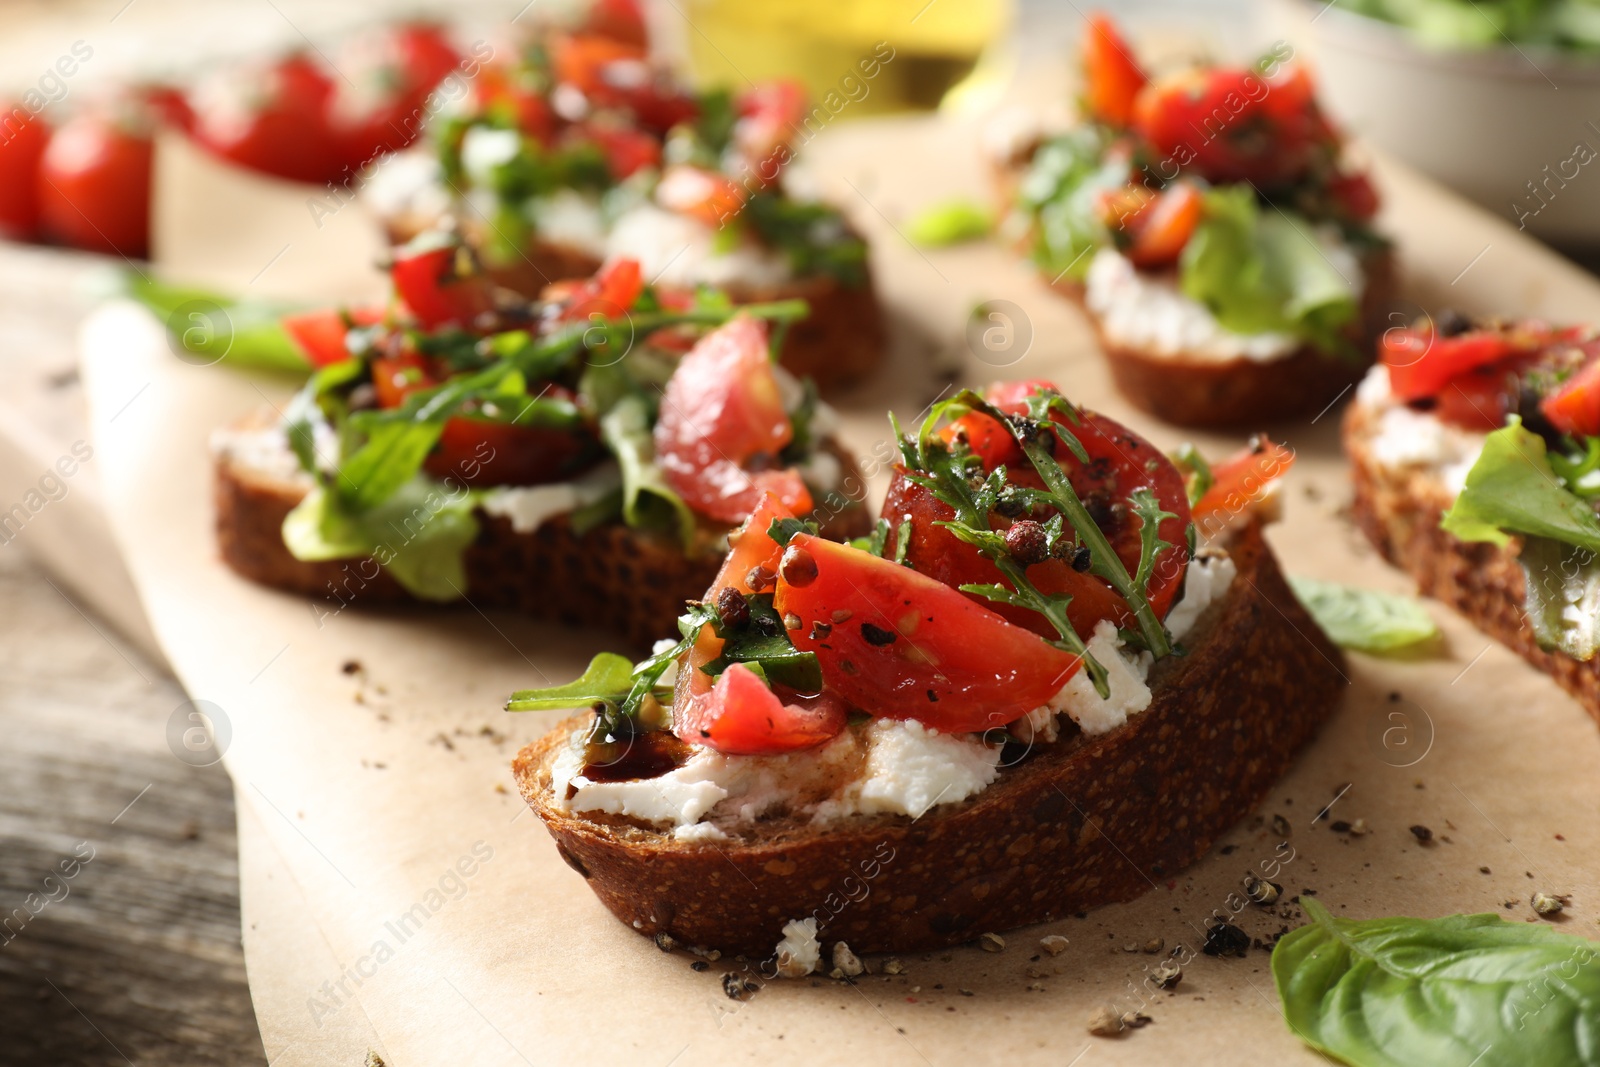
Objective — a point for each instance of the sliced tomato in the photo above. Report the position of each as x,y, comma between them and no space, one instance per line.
1233,125
1421,363
23,137
1163,230
1243,479
992,442
769,114
626,150
1480,399
479,452
321,334
1112,77
721,412
699,193
396,377
1574,408
614,289
741,716
1354,195
94,183
511,91
428,274
901,645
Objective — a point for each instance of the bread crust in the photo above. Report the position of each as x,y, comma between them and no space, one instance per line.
1085,822
629,581
1399,511
1210,393
841,342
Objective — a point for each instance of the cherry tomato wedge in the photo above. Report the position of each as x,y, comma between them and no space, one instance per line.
721,410
321,334
1242,479
1422,362
902,645
1481,399
396,377
699,193
1574,408
483,453
1112,78
610,293
429,277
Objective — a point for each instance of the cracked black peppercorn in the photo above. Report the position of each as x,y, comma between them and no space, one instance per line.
1028,542
1082,559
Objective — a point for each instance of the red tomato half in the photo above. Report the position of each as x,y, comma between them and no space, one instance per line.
1574,408
1112,78
720,411
321,334
901,645
23,137
1120,462
94,185
275,121
428,277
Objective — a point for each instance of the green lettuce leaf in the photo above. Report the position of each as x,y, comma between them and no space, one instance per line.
1461,991
1365,619
216,328
1512,489
418,534
1261,270
646,498
1563,595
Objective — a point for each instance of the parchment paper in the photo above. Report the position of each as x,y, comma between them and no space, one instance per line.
387,790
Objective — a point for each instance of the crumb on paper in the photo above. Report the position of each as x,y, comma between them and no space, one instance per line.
847,963
799,952
893,966
1054,944
992,943
1547,904
1105,1022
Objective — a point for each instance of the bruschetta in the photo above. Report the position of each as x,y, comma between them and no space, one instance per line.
1215,232
580,457
584,150
1058,669
1475,452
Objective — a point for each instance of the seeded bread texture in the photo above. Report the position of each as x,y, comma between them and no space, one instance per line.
1399,511
1081,823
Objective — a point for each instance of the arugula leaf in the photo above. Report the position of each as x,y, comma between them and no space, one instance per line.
1197,476
647,500
1365,619
1264,271
418,534
1464,989
239,332
1513,489
765,644
949,223
607,680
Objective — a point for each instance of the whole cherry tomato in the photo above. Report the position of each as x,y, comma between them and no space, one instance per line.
275,120
23,137
94,182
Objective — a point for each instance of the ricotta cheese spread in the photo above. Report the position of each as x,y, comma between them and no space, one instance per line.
531,506
1148,312
1126,671
265,450
1405,438
1206,581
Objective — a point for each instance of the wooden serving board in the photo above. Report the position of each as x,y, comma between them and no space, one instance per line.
382,789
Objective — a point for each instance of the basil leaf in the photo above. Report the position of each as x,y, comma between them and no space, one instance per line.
1563,596
240,332
1365,619
949,223
608,680
418,535
1461,990
646,498
1512,489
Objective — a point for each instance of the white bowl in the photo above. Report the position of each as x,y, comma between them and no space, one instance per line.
1515,128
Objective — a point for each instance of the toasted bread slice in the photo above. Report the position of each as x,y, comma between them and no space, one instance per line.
631,581
1078,823
1399,508
841,342
1199,392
